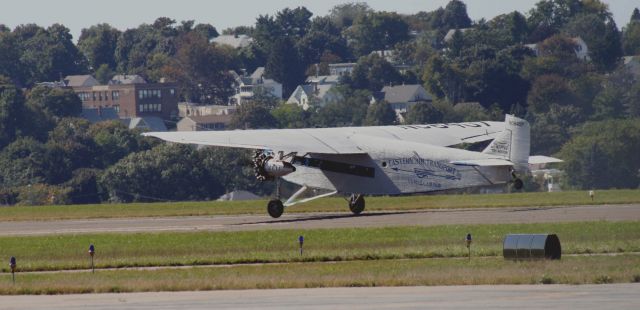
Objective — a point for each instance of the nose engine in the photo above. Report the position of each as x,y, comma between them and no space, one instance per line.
266,167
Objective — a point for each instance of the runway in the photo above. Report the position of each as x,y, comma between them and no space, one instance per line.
630,212
612,296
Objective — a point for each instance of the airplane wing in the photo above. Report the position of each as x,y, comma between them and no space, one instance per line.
335,140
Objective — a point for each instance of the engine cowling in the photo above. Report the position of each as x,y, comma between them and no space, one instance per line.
267,168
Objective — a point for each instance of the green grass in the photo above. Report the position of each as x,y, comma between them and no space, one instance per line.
571,270
203,248
336,204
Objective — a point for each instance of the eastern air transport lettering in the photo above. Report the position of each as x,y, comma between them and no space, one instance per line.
427,168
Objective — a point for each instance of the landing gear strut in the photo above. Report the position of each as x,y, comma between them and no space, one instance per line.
517,182
356,203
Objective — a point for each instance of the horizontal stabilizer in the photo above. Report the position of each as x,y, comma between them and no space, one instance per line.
489,162
539,159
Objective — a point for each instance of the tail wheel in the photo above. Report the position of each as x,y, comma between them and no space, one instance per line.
275,208
356,203
518,184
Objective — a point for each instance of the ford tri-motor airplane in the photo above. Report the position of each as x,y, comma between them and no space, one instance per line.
381,160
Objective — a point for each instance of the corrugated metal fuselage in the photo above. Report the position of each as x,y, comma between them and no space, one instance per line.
393,167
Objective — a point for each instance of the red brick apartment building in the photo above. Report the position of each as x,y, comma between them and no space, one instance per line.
130,100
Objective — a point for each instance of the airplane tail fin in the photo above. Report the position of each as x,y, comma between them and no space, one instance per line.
513,143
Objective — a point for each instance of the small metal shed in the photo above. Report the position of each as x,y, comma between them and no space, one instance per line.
531,246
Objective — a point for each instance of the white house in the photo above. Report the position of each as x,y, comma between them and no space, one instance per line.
313,94
341,69
235,41
127,79
451,32
581,49
402,97
192,109
247,86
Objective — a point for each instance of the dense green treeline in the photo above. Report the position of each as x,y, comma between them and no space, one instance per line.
586,110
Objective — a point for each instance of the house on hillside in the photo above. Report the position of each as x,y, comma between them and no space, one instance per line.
80,81
204,123
402,97
313,95
191,109
129,95
127,79
247,86
323,79
581,49
341,69
235,41
449,36
146,123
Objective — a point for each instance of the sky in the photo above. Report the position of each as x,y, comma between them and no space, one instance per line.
124,14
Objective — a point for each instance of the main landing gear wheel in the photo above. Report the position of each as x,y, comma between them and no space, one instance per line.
275,208
356,203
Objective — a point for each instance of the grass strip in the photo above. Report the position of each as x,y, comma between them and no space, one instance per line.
335,204
571,270
115,250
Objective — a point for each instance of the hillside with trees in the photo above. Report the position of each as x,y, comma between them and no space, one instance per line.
583,109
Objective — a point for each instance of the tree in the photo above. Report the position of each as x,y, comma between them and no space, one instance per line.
322,39
10,58
601,36
206,30
201,69
27,161
344,15
137,46
12,111
166,172
379,114
56,103
114,141
253,115
631,35
423,113
48,53
548,90
595,146
98,44
71,140
455,15
104,74
373,72
284,65
350,110
233,169
290,116
377,31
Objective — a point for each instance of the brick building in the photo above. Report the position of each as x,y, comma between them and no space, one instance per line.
132,100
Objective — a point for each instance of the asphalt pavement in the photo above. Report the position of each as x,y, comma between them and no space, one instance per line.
629,212
548,297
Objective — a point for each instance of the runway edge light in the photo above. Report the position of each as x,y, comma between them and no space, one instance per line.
92,252
301,241
468,242
13,265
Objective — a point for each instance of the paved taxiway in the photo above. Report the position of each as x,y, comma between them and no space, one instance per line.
329,220
613,296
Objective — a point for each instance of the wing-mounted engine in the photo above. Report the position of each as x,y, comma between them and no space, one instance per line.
267,167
